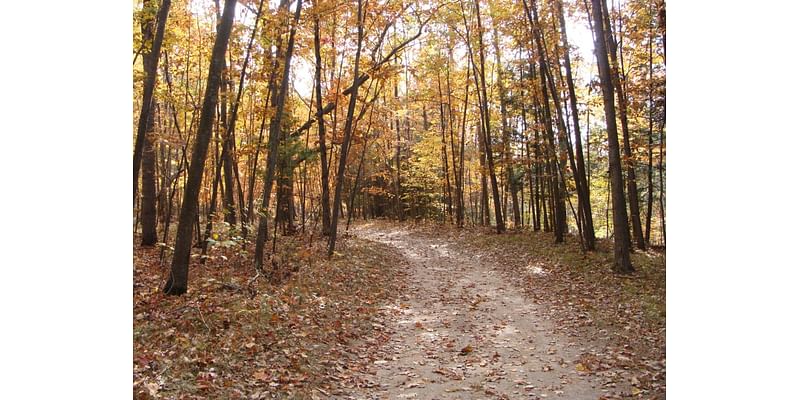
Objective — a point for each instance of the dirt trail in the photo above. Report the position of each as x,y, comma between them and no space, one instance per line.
462,332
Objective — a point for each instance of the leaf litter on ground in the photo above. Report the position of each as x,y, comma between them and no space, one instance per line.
235,337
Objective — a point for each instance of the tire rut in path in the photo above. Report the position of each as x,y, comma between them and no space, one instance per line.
461,332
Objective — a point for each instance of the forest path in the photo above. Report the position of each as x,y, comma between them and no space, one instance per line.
461,332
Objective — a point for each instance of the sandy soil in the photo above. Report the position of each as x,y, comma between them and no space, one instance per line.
461,332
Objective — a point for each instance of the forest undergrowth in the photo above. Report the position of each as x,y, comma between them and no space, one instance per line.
235,335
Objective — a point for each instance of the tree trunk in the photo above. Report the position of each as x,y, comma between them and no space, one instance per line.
622,257
151,69
458,168
484,215
285,210
486,128
649,132
348,128
228,207
399,209
147,150
588,157
506,136
354,191
617,77
323,156
541,205
582,184
534,202
274,139
212,209
559,212
179,275
447,189
461,152
148,210
398,203
229,146
252,181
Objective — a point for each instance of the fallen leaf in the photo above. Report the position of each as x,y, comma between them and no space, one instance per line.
261,375
152,388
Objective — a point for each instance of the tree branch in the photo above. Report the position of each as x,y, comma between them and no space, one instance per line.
328,108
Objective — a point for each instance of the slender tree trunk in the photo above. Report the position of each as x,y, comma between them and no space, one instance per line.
484,215
348,127
506,136
224,176
274,139
559,211
541,205
353,192
148,209
448,194
534,202
649,133
285,192
228,206
398,203
588,158
323,156
229,146
168,214
335,120
582,184
151,69
461,151
617,77
486,128
543,180
468,185
147,150
532,189
270,94
163,163
172,180
537,183
179,274
622,260
303,190
212,210
458,171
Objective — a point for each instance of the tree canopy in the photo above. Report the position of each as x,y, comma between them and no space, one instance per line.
465,112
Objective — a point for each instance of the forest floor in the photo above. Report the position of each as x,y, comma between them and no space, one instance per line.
400,311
